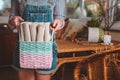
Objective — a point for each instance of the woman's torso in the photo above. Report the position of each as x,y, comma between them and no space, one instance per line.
23,3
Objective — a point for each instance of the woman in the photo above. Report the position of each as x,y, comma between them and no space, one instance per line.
20,12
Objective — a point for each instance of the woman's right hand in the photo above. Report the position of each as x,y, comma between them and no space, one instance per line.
15,21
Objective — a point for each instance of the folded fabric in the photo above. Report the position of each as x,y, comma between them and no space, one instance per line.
35,45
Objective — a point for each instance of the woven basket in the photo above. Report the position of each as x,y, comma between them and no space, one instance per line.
35,54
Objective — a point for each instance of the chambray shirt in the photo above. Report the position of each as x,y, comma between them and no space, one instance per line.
17,7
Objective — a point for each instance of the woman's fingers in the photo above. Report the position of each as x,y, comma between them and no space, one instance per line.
57,25
16,20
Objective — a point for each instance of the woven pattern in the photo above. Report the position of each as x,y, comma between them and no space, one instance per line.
35,54
36,61
35,47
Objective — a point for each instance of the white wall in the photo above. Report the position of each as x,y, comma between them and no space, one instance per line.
115,36
4,19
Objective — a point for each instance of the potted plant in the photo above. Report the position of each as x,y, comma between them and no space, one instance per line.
94,31
93,22
106,16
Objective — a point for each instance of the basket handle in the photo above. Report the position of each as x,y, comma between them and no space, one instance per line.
52,35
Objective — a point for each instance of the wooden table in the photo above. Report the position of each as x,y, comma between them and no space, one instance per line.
65,46
69,46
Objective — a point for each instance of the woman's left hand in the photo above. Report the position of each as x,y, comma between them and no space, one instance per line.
56,24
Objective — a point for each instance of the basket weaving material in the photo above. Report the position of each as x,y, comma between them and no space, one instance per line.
35,47
35,54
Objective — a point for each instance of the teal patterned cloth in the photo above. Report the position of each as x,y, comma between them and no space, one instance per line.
34,48
38,13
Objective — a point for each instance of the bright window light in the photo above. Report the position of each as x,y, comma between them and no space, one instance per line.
1,5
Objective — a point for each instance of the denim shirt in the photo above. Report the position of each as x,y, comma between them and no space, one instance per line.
18,6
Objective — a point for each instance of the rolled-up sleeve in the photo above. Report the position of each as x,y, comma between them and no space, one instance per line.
59,10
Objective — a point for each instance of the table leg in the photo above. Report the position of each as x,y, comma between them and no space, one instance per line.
89,71
77,71
95,69
63,72
111,71
105,68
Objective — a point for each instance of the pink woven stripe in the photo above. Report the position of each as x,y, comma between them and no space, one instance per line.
36,61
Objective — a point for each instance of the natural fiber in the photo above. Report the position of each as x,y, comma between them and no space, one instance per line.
35,50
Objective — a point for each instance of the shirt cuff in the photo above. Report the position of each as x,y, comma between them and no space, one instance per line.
62,19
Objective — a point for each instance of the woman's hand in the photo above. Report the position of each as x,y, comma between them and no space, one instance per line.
15,21
56,24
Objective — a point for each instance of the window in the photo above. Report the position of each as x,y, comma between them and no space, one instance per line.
81,8
118,11
92,8
72,8
5,7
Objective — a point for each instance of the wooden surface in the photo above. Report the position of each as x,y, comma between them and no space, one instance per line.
65,46
7,44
